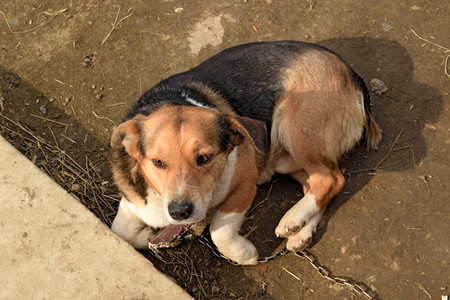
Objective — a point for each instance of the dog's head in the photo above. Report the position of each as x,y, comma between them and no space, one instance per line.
182,151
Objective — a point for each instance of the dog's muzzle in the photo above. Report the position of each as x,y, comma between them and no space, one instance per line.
181,210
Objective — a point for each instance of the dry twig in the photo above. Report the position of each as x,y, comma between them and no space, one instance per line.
439,46
35,28
105,118
115,24
390,150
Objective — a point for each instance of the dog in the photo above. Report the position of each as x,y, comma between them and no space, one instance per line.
204,139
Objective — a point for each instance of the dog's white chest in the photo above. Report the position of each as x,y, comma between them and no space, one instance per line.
222,188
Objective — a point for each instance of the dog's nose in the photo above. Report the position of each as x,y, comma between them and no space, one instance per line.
181,210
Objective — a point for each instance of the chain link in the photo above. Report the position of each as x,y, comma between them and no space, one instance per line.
205,239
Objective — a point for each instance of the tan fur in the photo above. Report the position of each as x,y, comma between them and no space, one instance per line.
178,148
319,118
243,186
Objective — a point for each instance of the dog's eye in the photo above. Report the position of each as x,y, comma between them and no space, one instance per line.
159,164
204,159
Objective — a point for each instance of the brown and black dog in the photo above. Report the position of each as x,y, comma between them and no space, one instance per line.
205,138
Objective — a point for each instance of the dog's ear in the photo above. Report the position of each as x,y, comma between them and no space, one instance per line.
126,136
254,130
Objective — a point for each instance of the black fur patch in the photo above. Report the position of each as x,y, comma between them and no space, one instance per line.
122,165
248,77
224,133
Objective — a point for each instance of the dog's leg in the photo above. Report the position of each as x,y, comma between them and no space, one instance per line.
300,222
226,224
131,228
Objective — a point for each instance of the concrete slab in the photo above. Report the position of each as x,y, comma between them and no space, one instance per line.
53,247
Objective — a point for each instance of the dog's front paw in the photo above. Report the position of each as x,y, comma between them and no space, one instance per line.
238,249
242,251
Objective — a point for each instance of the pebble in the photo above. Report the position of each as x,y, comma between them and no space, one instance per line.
57,116
378,86
99,96
51,99
43,109
387,27
75,187
66,101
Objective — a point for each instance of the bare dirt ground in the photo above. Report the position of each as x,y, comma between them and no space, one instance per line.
70,69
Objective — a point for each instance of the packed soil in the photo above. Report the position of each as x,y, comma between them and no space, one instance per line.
70,69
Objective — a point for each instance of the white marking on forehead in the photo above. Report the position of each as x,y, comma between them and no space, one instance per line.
195,102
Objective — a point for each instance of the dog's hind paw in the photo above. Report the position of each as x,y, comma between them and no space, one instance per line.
302,239
302,214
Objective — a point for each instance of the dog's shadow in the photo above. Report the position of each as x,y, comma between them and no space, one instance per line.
402,113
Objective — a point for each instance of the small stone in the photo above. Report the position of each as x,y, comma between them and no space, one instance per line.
387,27
75,187
99,96
57,116
443,288
51,99
66,101
412,107
179,10
378,86
25,234
43,109
215,289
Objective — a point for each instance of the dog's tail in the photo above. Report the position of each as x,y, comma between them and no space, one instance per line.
373,132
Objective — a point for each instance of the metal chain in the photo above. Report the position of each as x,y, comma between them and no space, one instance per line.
205,239
335,279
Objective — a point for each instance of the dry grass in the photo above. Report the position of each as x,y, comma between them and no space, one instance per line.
81,180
